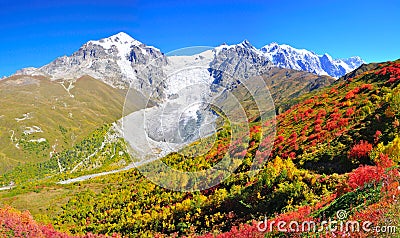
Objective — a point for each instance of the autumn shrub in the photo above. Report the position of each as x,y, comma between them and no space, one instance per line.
363,175
360,151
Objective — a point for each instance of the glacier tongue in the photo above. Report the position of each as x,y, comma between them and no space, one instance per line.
183,115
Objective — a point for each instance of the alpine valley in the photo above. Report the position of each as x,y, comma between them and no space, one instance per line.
69,167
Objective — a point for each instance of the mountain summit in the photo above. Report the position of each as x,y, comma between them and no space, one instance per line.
114,60
285,56
120,39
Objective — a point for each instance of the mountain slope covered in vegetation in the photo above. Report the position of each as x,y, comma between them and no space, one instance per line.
337,149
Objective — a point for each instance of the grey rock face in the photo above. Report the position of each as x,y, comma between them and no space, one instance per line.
237,62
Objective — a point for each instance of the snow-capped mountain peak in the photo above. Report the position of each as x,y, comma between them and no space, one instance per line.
114,60
247,44
243,46
353,61
285,56
327,56
223,47
123,43
120,40
276,48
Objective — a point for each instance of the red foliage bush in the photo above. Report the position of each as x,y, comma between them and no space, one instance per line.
321,113
392,80
368,87
243,153
335,116
332,125
312,137
377,136
293,137
14,223
363,175
255,129
309,101
393,70
318,128
318,121
356,90
372,174
279,139
295,118
360,150
343,122
350,95
349,112
384,161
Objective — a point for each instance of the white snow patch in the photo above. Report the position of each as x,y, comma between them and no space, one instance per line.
118,39
40,140
25,116
68,89
12,136
30,130
14,139
6,187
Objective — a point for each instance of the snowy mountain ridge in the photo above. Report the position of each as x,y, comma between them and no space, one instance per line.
119,60
285,56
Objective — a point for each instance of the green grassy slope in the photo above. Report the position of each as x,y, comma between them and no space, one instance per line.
62,120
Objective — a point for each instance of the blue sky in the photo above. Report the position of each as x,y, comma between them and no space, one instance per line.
35,32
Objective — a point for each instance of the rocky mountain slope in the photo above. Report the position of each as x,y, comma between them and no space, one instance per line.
116,60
